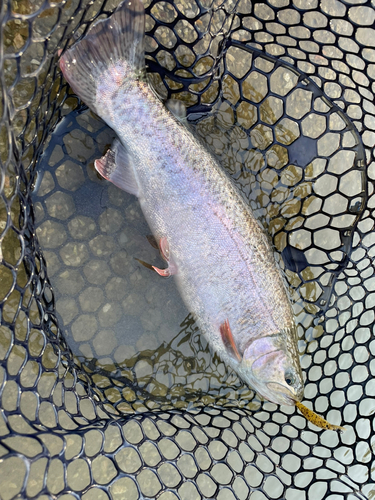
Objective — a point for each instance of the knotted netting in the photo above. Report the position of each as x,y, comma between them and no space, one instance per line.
108,390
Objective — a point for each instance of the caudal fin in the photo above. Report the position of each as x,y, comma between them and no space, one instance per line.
112,49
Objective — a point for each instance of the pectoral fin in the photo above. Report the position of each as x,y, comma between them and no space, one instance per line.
117,166
228,340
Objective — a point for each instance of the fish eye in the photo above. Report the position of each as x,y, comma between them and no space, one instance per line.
290,379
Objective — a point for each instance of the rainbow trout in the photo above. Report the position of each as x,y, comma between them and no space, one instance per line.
216,250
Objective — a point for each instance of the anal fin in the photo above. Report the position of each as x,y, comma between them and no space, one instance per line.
117,167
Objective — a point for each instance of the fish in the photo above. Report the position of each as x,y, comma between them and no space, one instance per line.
215,249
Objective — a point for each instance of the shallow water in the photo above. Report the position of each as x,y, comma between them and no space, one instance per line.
120,319
125,322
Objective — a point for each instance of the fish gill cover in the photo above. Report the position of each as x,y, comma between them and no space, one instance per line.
289,91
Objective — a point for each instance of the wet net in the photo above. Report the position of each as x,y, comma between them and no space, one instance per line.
108,390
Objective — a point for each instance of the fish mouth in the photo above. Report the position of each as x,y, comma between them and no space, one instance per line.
280,394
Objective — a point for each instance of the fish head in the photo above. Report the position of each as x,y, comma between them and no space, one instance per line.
273,371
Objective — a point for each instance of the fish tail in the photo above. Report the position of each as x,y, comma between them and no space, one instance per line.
112,50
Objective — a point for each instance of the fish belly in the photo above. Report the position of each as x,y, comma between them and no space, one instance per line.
222,260
225,266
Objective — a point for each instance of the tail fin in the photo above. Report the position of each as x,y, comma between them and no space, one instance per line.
112,48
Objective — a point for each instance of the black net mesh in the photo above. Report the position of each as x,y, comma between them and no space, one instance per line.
108,390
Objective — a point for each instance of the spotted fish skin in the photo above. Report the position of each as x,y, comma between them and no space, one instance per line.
217,251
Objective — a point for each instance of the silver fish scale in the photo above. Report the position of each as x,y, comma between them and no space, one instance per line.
226,268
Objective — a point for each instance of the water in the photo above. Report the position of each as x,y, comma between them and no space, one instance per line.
124,322
127,324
